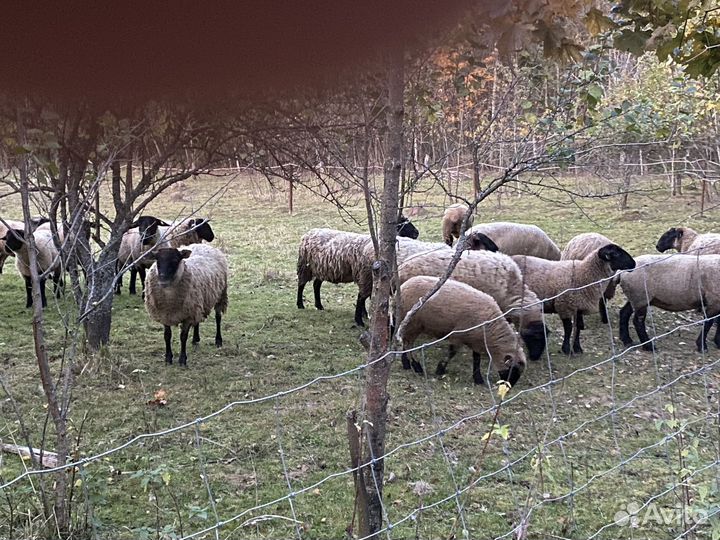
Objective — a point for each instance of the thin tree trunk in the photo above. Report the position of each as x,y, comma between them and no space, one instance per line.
376,375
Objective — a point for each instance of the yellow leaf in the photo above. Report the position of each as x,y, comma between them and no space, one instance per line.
503,388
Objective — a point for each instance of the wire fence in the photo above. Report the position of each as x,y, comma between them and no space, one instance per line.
557,458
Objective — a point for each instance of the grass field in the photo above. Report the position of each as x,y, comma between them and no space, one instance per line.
612,436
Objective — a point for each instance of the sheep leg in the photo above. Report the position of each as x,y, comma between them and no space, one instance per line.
441,368
578,327
701,341
316,289
141,273
359,308
118,282
477,371
405,360
58,283
42,293
602,307
184,331
196,334
133,280
639,323
567,328
168,345
625,313
28,292
218,333
717,332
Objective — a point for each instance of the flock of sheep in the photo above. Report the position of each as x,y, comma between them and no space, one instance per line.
186,279
510,275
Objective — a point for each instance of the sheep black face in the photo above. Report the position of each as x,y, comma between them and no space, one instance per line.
669,240
480,241
533,335
169,264
617,257
512,374
203,229
14,240
406,229
147,225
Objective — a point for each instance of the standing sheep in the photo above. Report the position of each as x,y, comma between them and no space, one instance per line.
471,317
676,283
520,239
581,246
48,260
339,257
18,225
452,222
494,274
142,235
573,288
685,240
184,232
407,248
183,287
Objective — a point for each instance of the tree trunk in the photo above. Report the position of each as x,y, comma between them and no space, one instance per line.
98,316
376,375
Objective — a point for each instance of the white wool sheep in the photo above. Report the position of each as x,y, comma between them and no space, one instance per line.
407,248
452,221
17,225
495,274
48,260
581,246
672,283
520,239
183,287
183,232
550,279
455,308
138,240
687,240
340,257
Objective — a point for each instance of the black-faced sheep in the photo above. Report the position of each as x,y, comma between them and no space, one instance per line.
581,246
550,279
671,283
471,317
183,287
494,274
407,248
687,240
184,232
142,235
339,257
520,239
18,225
48,260
452,222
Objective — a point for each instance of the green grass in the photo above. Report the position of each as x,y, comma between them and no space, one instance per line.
271,346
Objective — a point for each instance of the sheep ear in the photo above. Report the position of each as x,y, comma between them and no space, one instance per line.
161,223
185,253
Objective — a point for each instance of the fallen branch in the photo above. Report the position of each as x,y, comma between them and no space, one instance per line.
49,459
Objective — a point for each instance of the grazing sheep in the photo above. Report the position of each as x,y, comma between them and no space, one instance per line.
671,283
48,260
549,279
685,240
457,307
14,224
141,236
183,287
339,257
452,222
494,274
581,246
520,239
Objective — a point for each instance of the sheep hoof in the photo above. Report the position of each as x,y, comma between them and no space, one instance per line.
132,292
578,349
628,342
405,361
649,347
300,306
701,347
182,360
168,358
195,345
441,369
360,324
117,291
417,367
319,306
218,342
565,349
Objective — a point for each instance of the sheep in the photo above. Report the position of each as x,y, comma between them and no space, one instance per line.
14,224
183,232
456,307
550,279
406,248
520,239
495,274
578,248
48,260
452,222
183,287
676,283
339,257
685,239
142,235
